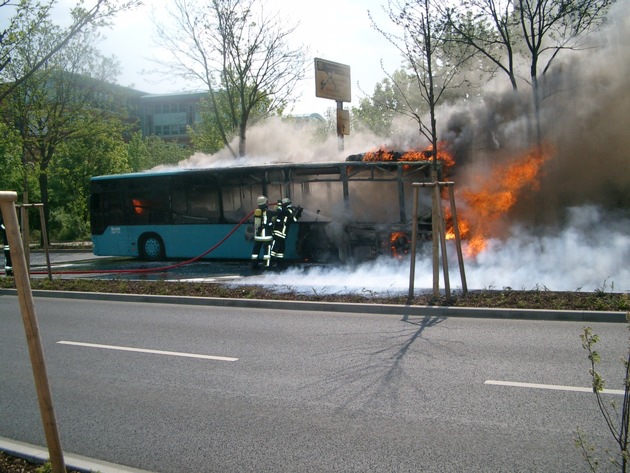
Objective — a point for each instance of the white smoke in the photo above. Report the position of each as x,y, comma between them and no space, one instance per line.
572,234
590,253
283,141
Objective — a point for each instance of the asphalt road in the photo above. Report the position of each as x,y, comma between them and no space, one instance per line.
305,391
83,264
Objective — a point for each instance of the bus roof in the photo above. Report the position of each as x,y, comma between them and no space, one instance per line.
305,167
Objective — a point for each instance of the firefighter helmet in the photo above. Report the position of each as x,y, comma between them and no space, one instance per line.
262,200
286,201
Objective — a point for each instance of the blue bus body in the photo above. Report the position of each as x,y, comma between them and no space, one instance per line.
351,210
186,241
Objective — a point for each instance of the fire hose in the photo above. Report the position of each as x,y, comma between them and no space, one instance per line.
160,269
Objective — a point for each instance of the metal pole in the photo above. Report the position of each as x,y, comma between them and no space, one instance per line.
340,141
29,317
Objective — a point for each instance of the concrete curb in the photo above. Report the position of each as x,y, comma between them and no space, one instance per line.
36,454
381,309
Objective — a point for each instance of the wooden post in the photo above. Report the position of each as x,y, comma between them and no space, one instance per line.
414,239
435,230
26,240
458,241
439,239
42,221
442,237
27,307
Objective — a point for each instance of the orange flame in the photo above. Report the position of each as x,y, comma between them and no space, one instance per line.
480,209
399,244
138,206
496,196
382,154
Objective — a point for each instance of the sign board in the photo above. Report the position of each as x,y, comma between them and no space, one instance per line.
332,80
343,122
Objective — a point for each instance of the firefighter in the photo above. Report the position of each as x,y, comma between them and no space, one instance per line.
8,267
263,233
285,216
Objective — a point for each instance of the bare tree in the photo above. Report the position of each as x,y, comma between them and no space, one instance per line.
539,30
27,16
552,27
240,53
434,63
489,26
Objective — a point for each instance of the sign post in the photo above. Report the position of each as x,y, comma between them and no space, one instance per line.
332,81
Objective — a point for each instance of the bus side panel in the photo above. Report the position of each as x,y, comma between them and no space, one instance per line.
189,241
114,241
193,240
186,241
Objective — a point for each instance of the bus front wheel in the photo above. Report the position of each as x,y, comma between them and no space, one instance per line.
151,247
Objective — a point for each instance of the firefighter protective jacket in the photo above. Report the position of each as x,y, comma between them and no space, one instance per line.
263,225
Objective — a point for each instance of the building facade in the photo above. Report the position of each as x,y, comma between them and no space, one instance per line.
169,115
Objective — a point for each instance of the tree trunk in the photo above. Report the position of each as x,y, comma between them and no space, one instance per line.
241,139
43,189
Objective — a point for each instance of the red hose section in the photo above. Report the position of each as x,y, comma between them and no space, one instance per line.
154,270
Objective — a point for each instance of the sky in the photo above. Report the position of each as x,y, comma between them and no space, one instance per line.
335,30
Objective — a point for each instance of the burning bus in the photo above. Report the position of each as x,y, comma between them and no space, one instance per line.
353,210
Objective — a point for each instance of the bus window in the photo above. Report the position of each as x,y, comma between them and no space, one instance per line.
179,205
107,210
327,197
203,203
234,208
366,208
148,206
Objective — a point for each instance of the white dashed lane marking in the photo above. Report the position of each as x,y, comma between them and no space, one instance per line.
145,350
553,387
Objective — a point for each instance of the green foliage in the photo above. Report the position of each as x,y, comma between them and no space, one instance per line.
589,339
376,113
10,162
219,123
45,468
396,95
206,135
138,153
146,153
165,152
99,149
69,225
617,421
